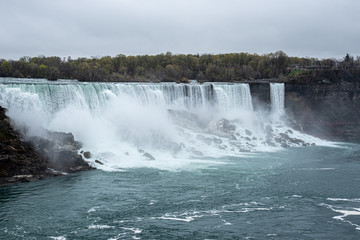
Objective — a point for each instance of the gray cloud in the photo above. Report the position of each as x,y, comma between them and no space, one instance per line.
322,28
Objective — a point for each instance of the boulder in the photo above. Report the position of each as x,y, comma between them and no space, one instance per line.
225,126
87,155
99,162
148,156
248,132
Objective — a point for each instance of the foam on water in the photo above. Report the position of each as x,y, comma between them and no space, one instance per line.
178,125
346,208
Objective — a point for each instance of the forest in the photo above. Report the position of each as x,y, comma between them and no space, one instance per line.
168,67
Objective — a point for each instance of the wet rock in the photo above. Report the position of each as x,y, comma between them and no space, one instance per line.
248,139
270,143
187,120
66,161
87,155
232,137
225,125
60,138
204,139
284,145
196,152
254,138
244,150
148,156
217,141
289,131
30,159
17,156
268,129
248,132
99,162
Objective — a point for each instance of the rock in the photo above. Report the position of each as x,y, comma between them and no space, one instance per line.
187,120
248,139
196,152
248,132
66,161
270,143
204,139
87,155
148,156
225,125
284,145
217,141
60,137
289,131
232,137
30,159
268,129
99,162
19,161
254,138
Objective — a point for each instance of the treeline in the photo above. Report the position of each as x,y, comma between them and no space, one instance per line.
169,67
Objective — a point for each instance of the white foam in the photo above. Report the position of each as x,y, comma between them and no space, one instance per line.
344,199
100,227
345,213
58,238
93,209
134,230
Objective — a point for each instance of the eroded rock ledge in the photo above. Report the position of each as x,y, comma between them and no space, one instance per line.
36,158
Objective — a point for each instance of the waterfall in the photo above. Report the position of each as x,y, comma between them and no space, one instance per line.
94,96
277,96
234,96
172,121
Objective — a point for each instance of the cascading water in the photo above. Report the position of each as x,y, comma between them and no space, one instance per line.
178,124
277,96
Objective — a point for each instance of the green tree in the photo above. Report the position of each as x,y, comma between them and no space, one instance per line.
43,71
6,69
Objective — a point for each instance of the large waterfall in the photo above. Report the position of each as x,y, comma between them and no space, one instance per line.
177,124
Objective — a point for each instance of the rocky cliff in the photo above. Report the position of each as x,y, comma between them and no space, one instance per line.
323,108
328,110
37,158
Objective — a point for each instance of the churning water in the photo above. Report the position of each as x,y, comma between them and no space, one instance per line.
220,169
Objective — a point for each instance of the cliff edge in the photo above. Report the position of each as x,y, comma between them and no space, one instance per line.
24,161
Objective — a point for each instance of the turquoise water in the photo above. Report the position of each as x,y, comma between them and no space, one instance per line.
297,193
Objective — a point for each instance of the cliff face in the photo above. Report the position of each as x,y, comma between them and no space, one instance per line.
18,159
327,110
24,161
320,108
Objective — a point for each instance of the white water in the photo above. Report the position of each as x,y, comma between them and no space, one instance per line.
277,96
180,125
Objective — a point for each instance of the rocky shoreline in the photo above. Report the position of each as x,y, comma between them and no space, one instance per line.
26,160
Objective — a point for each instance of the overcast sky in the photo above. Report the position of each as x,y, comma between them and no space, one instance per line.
85,28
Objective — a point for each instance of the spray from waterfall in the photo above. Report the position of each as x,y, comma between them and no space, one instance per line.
175,124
